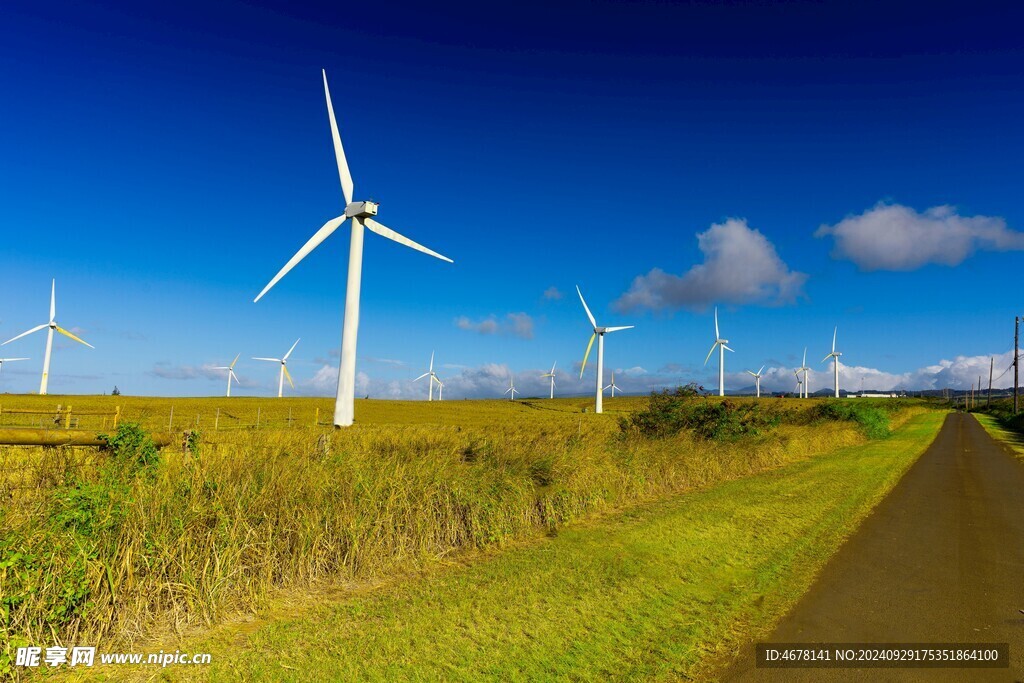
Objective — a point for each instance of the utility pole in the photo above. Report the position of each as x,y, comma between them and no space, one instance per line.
991,367
1016,360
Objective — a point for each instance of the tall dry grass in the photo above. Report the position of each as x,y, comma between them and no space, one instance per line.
95,551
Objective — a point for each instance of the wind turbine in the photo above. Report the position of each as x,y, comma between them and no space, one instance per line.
803,368
284,370
8,360
361,214
552,376
433,378
612,386
799,384
599,332
835,360
722,345
757,379
231,373
511,388
52,325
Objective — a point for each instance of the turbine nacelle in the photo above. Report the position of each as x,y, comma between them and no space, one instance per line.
361,209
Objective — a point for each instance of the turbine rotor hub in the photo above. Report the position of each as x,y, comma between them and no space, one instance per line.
361,210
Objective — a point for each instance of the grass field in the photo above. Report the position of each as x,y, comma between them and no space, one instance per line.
663,591
109,548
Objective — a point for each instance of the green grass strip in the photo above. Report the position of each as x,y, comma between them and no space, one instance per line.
661,592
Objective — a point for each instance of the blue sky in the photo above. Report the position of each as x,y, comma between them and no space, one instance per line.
850,164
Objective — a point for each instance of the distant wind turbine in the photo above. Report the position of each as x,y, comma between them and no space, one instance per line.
433,378
361,214
231,373
612,386
284,370
803,368
52,325
757,379
799,384
722,345
835,360
511,388
599,332
552,376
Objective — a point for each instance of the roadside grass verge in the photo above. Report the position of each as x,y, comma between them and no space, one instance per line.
665,590
998,430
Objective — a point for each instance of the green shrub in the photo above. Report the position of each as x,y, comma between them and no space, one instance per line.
133,446
871,416
689,408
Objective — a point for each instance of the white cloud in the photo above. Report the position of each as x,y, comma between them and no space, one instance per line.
896,237
740,266
960,373
516,324
552,293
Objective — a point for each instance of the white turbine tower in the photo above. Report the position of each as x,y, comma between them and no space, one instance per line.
52,325
803,368
612,386
433,378
284,370
231,373
511,388
361,214
722,345
835,360
552,376
9,360
757,380
599,332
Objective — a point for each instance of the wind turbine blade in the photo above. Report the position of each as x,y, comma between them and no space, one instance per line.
717,336
826,358
291,349
727,348
234,361
553,367
71,336
759,371
620,327
834,332
313,242
805,357
220,367
23,334
53,299
752,373
710,352
339,151
585,307
401,239
9,360
506,391
233,376
587,353
288,375
425,374
431,361
274,360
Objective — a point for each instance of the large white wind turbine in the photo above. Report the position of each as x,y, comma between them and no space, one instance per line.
599,332
552,376
52,325
284,370
511,388
361,214
757,379
722,345
231,373
835,360
433,378
612,386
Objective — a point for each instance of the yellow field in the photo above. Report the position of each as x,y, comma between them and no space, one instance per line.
101,546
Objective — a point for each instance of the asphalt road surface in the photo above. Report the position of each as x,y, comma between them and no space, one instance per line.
940,559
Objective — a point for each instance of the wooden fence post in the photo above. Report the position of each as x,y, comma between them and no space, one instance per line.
67,417
117,415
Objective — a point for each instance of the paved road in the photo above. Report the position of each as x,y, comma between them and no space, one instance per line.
941,559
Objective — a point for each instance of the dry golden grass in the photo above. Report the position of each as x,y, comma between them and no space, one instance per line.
94,551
